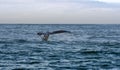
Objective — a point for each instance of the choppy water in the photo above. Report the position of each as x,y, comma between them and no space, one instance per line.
89,47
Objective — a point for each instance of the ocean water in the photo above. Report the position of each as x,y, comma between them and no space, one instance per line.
88,47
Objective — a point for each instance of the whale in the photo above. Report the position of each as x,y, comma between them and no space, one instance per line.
45,35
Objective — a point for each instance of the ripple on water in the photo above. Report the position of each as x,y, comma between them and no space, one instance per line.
92,47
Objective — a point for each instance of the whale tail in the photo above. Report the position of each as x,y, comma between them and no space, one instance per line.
46,35
54,32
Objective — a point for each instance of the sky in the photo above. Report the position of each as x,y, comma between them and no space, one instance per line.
60,11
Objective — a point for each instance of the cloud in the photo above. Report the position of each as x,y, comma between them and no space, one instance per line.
110,1
58,11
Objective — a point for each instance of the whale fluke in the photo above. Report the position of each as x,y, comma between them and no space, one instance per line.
46,35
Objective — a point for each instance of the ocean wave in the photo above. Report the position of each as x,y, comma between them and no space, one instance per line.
14,41
24,41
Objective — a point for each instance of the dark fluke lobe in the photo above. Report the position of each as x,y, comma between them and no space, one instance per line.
60,31
39,33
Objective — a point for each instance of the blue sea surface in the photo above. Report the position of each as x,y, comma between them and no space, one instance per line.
88,47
